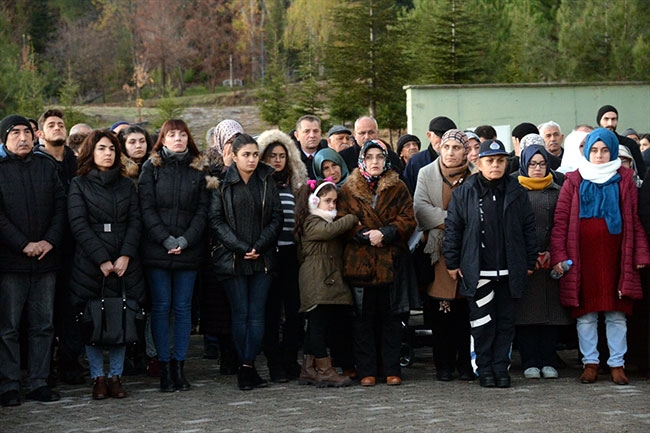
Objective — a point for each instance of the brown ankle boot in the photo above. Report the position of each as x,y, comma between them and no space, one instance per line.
99,388
308,375
115,389
328,376
590,373
618,375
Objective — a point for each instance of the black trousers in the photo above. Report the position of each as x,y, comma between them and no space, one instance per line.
451,334
377,330
537,345
492,322
284,297
320,321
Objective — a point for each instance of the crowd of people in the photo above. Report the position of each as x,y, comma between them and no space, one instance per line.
289,243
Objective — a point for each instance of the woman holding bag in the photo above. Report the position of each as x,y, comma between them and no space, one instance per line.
105,221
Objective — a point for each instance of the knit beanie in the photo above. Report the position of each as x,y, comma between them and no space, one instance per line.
407,138
8,123
604,109
523,129
441,124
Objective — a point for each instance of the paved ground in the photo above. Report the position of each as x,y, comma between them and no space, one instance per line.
421,404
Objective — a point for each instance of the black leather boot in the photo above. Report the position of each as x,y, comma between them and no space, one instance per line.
166,382
176,370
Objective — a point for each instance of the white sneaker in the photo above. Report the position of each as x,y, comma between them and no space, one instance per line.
549,372
532,373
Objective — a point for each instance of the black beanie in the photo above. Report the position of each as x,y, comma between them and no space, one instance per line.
9,122
523,129
604,109
441,124
406,138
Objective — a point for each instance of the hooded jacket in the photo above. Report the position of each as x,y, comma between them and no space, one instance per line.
296,167
174,202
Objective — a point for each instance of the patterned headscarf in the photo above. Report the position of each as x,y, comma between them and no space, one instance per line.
456,135
372,144
532,140
224,131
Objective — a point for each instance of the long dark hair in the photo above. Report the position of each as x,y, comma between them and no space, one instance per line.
302,203
135,129
180,125
86,158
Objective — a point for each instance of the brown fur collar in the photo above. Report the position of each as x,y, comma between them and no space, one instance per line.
359,186
199,163
131,168
212,182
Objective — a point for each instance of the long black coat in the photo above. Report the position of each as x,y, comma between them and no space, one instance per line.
174,202
32,208
462,244
95,201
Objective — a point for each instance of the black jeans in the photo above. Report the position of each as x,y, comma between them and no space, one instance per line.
492,321
377,330
284,296
537,345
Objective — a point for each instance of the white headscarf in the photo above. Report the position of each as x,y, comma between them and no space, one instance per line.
572,157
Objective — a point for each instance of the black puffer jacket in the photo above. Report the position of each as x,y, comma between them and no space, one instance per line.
105,221
174,202
32,208
228,249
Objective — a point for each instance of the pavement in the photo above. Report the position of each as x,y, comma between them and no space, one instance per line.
420,404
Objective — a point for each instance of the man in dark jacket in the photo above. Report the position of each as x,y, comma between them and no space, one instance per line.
366,128
437,128
308,133
490,246
32,218
53,135
607,117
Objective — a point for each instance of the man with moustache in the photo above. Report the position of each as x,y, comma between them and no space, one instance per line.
53,135
32,221
308,133
607,117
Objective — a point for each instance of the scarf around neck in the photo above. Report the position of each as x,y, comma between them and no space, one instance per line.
535,183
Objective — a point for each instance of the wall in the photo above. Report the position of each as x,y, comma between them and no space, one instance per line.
508,105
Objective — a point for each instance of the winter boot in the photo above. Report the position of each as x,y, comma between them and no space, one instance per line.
176,372
166,382
308,375
328,376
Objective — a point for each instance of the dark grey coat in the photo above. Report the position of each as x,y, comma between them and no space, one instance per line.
95,201
540,304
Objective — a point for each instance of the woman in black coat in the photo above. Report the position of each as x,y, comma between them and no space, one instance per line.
105,221
246,219
174,206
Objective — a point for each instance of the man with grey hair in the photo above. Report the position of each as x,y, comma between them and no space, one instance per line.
553,137
365,128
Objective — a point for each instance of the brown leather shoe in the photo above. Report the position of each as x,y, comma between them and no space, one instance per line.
350,372
393,380
590,373
99,388
328,376
368,381
618,375
115,389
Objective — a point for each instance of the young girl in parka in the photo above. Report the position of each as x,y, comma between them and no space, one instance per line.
323,293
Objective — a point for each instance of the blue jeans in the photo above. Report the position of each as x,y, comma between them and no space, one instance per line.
616,331
96,360
171,289
247,295
34,294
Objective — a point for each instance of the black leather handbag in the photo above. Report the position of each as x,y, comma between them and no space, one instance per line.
114,321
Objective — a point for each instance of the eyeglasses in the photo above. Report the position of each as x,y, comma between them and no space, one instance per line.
370,158
536,164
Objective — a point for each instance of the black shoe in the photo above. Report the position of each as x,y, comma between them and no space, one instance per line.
166,382
278,374
445,375
229,364
10,398
245,378
487,380
293,370
503,380
467,375
72,377
177,375
258,382
44,394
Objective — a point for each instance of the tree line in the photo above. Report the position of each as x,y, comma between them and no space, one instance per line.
335,58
